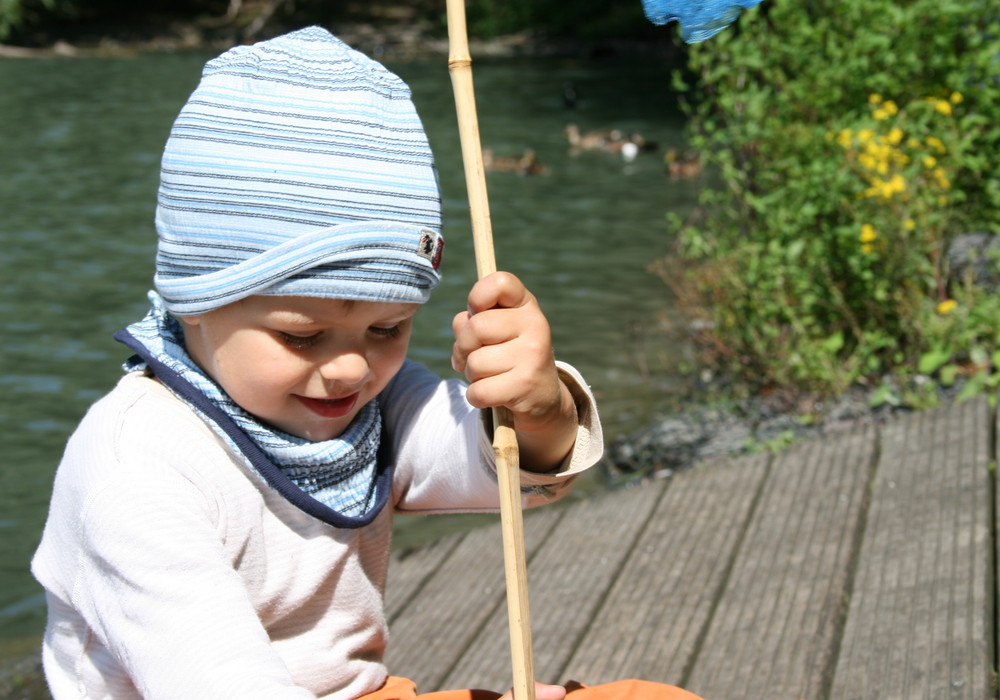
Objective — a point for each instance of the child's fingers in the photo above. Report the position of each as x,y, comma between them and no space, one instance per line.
458,356
523,390
493,378
542,692
495,341
549,692
498,390
499,289
491,327
475,332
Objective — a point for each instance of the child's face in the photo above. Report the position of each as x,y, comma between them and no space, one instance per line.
304,365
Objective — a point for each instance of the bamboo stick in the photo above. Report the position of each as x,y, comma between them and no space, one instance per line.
504,440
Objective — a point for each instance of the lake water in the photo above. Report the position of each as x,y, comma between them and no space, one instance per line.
80,142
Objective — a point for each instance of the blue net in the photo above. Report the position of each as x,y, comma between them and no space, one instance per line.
699,19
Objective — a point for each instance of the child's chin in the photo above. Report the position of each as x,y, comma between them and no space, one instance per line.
314,430
320,434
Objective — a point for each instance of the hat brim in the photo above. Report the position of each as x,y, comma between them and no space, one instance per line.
364,261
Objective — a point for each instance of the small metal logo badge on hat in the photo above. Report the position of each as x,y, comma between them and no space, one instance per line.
431,246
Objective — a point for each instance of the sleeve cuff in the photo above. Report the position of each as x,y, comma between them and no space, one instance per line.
587,449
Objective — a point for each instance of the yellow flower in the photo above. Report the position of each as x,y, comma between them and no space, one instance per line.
885,109
909,224
942,178
845,138
865,135
885,189
874,98
936,144
943,106
930,162
895,136
946,306
956,97
868,233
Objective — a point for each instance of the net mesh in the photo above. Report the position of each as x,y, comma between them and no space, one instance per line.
699,19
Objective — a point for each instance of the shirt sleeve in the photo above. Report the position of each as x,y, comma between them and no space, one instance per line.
442,446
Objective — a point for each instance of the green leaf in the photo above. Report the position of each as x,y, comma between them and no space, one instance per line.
834,343
978,356
885,394
930,361
948,374
973,387
794,249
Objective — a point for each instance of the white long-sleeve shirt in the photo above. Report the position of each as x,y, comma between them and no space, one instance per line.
171,571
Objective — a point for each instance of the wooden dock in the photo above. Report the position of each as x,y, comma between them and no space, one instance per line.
861,565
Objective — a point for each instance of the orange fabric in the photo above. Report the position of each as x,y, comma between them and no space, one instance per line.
628,689
397,688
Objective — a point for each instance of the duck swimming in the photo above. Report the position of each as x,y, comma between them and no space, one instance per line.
525,163
615,141
682,163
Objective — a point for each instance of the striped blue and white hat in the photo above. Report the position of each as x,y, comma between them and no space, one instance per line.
297,167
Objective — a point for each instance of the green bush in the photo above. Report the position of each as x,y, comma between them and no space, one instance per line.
853,141
15,13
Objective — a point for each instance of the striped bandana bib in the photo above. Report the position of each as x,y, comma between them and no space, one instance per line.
340,481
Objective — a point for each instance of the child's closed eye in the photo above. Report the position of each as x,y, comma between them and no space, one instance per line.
298,342
386,331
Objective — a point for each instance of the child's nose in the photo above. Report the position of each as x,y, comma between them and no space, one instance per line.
346,368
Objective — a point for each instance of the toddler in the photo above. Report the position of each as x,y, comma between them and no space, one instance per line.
220,523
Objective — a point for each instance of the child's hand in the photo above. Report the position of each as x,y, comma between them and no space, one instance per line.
542,692
504,346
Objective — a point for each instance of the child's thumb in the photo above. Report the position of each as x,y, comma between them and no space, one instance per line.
549,692
542,692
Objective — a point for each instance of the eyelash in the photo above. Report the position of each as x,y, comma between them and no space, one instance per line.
391,332
298,342
304,342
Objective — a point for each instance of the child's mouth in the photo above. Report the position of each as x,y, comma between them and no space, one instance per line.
330,408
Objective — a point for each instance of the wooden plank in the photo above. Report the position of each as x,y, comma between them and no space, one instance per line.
653,617
568,576
776,626
410,570
918,624
432,631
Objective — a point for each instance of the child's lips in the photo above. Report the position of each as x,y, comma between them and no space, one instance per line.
330,408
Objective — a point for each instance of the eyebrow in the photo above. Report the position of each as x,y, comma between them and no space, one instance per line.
291,317
405,314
